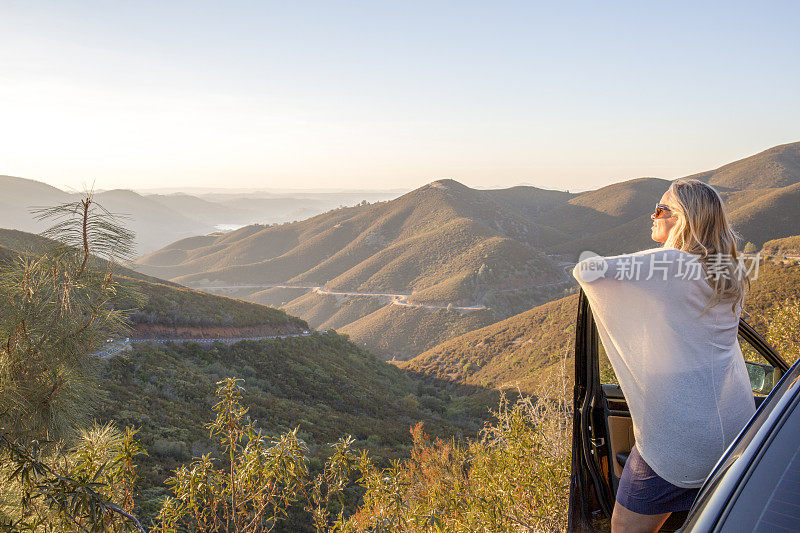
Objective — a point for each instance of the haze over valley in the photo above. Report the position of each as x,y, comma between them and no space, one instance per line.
161,217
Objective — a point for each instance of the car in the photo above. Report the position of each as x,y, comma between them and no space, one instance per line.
739,491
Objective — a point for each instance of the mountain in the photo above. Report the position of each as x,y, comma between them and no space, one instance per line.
777,167
19,195
155,224
787,246
15,242
760,215
609,220
525,350
521,351
438,256
321,384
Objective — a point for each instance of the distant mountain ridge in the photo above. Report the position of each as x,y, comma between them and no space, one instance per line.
159,219
155,224
778,166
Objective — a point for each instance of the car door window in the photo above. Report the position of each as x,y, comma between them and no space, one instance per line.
763,376
607,375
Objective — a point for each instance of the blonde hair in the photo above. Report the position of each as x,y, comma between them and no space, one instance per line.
702,229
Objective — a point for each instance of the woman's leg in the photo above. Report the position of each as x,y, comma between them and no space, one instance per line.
626,521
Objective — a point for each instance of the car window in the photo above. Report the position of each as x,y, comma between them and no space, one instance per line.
763,376
607,375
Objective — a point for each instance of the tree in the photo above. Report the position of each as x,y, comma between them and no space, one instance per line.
749,248
55,312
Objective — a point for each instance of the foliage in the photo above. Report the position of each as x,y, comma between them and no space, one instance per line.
776,283
514,477
156,302
178,306
322,383
783,332
55,313
56,308
257,479
88,487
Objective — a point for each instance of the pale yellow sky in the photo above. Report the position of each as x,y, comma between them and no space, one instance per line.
267,95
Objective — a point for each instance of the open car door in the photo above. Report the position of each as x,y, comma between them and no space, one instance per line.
602,426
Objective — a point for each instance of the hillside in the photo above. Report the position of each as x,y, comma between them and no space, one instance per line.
322,384
171,310
777,167
155,224
422,235
761,193
787,246
524,349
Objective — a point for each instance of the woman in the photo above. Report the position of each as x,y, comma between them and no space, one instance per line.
668,318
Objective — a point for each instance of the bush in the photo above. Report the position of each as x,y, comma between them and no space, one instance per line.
514,477
166,448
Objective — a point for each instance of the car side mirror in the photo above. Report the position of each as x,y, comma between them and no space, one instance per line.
762,377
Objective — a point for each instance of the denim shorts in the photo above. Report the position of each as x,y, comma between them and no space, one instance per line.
642,491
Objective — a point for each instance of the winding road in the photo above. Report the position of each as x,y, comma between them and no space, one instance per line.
400,299
112,348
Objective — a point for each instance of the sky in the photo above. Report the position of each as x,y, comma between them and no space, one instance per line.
373,94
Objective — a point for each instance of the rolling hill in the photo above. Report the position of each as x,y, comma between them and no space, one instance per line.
322,384
787,246
761,193
155,224
777,167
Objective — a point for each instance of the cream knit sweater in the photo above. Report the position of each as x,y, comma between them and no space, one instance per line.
683,375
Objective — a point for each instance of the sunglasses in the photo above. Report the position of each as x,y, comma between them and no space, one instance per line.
660,208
